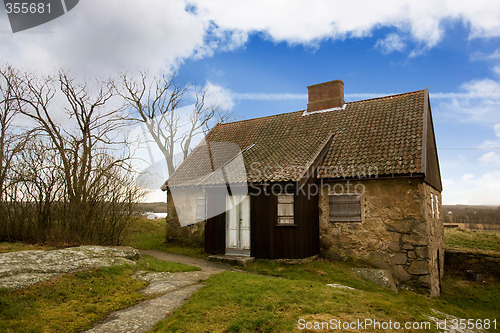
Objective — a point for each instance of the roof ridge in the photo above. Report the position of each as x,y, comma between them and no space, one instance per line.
387,96
301,111
269,116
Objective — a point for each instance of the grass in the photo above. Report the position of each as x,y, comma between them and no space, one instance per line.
148,263
74,302
150,235
472,240
240,302
272,298
18,246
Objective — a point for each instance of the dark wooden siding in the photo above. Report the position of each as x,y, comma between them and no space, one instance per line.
267,239
432,174
272,241
215,227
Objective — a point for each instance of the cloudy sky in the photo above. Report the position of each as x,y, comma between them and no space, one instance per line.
258,56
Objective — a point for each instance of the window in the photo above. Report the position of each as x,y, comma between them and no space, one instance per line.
436,201
200,209
432,206
285,209
345,208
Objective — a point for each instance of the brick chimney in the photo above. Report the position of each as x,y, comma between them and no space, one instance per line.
325,95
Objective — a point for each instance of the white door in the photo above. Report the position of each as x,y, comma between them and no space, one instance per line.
238,225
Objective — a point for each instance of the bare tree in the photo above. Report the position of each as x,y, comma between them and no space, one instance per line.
91,155
11,141
158,105
38,189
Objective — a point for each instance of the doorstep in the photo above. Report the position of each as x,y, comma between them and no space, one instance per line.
231,259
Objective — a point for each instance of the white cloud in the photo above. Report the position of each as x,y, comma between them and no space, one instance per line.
485,56
391,43
497,130
263,96
496,70
490,159
468,176
219,96
483,190
448,182
307,22
478,101
102,36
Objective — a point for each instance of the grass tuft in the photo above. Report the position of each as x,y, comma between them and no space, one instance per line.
472,240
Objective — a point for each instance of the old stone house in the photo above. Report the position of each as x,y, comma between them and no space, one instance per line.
355,181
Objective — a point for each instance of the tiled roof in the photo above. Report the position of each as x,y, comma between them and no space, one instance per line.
381,136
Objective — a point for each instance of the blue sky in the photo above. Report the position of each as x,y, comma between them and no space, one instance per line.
258,57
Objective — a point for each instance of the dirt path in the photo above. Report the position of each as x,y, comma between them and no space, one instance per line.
174,289
205,265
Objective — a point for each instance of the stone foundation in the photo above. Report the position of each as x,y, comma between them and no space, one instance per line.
192,235
185,206
460,262
397,232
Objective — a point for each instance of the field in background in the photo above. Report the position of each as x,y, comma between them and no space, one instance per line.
472,217
472,240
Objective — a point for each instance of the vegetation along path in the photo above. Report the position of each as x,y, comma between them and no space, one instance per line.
173,290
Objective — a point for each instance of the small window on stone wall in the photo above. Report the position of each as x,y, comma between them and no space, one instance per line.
200,209
432,206
345,208
436,201
285,209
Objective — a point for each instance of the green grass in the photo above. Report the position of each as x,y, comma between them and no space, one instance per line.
472,240
148,263
74,302
240,302
18,246
150,235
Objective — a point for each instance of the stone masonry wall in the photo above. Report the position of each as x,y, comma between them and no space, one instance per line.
461,262
396,231
185,211
435,231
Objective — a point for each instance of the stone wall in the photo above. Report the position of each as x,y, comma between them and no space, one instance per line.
459,262
181,219
397,231
435,231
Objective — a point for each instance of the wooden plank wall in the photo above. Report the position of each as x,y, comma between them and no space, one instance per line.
215,227
271,241
268,240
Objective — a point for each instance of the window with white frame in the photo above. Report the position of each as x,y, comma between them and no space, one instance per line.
432,206
436,201
285,209
200,209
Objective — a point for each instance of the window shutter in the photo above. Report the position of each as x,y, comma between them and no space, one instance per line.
345,208
200,209
285,209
